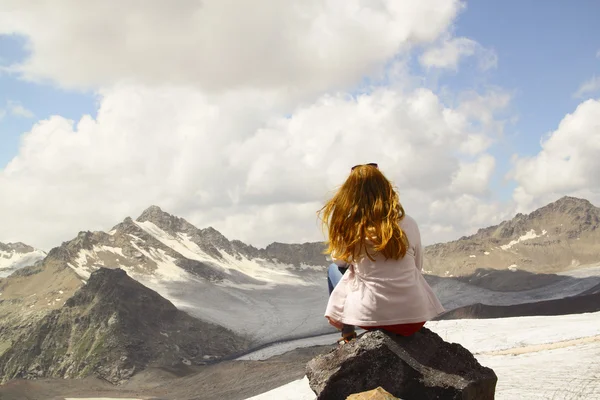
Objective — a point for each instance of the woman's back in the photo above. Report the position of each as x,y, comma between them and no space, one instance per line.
380,291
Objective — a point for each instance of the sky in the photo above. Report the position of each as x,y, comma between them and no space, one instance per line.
248,117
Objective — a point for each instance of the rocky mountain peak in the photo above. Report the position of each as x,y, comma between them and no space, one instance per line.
570,205
114,327
165,221
17,247
155,215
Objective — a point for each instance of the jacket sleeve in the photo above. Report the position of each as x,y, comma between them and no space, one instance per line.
419,257
418,248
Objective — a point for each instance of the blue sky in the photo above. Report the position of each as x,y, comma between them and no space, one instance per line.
545,50
141,153
43,100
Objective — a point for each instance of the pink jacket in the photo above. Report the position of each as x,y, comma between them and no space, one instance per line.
386,292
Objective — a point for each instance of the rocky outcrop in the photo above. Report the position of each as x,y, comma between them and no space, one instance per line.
421,367
114,327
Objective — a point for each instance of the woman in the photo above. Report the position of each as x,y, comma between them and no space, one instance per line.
375,281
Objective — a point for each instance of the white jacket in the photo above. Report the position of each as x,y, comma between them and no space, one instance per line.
386,292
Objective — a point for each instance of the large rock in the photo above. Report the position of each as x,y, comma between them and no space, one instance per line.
421,366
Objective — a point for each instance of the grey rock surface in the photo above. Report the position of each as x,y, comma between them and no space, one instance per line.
419,367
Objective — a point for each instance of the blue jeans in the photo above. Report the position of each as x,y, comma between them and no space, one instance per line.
334,275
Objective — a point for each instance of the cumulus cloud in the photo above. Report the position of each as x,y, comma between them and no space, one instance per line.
234,163
451,50
243,116
474,177
465,210
292,47
588,87
567,164
16,109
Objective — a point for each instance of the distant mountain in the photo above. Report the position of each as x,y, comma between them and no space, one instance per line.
561,236
114,327
163,247
14,256
199,270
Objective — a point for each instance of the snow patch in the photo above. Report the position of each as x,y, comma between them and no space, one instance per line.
115,250
11,261
472,256
166,269
512,267
259,269
82,272
265,271
527,236
487,253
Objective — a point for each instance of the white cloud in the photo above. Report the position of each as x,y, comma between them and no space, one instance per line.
467,211
598,54
191,116
474,177
16,109
232,162
567,164
588,87
451,50
290,47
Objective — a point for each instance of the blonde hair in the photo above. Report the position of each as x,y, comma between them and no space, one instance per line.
365,207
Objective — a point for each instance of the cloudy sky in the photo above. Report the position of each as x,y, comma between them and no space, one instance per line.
246,116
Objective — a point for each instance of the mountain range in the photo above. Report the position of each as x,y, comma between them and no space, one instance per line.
249,297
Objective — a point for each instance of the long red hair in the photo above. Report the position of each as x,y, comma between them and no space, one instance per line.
364,214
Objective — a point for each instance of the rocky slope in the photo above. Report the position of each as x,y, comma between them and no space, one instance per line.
114,327
14,256
561,236
199,270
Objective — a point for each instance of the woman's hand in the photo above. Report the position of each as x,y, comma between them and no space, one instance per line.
336,324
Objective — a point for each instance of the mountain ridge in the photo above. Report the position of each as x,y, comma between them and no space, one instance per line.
114,327
559,236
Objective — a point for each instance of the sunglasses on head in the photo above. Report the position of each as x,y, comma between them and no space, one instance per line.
369,164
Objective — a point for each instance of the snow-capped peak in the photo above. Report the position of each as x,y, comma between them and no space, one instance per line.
14,256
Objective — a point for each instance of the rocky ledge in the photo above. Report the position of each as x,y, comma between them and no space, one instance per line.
422,366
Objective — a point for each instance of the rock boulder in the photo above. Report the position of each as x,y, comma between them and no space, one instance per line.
421,366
